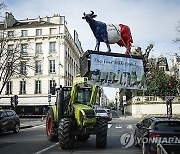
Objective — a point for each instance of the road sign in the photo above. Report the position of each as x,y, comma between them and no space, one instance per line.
170,97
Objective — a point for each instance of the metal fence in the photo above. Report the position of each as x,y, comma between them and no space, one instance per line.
160,149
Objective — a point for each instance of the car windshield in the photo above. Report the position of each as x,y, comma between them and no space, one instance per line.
168,125
1,114
101,111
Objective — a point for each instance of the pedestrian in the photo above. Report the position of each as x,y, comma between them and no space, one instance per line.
43,114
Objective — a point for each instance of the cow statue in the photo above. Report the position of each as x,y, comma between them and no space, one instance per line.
109,33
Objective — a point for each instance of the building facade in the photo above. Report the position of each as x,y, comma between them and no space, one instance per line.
176,65
54,52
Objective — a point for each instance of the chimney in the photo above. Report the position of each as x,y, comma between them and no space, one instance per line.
9,20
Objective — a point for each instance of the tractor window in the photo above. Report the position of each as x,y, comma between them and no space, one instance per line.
66,93
83,96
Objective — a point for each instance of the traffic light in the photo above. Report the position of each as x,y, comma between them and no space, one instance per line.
170,88
16,99
169,84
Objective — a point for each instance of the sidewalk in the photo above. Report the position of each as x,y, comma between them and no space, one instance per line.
31,122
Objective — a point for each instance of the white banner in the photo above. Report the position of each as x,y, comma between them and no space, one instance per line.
117,72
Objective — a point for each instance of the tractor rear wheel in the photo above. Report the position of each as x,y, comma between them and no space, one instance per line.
66,138
101,134
51,126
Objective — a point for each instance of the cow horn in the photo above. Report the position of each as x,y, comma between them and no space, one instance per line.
92,12
84,13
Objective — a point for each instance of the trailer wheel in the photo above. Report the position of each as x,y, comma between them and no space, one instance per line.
51,126
101,134
82,137
66,138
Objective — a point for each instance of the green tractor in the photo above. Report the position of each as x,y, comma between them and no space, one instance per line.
73,118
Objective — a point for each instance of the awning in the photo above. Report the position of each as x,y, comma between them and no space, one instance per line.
29,101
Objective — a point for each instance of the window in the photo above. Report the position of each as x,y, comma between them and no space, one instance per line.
174,126
10,49
23,48
51,85
37,87
9,87
22,87
23,67
52,46
52,66
10,113
151,98
38,48
52,31
162,68
10,34
38,32
3,114
10,66
24,33
38,67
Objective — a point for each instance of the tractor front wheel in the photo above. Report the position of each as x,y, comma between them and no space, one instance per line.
65,134
101,134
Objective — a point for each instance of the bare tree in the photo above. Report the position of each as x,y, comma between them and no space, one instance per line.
178,30
145,55
14,62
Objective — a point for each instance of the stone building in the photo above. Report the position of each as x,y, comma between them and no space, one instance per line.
54,52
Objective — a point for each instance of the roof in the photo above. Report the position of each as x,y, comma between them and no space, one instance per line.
29,24
32,24
157,119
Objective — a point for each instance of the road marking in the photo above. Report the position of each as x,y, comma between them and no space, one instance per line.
109,125
130,126
118,126
43,125
46,149
33,127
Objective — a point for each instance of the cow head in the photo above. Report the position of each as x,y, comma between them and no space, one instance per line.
89,17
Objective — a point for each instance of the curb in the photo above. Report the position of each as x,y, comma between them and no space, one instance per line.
24,127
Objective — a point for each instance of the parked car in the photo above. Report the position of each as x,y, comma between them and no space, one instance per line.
104,113
9,121
156,129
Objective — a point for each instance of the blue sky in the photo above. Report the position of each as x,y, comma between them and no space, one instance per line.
150,21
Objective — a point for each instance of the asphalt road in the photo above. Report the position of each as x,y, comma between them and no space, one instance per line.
33,141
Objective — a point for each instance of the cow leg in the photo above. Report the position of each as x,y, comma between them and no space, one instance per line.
97,45
128,47
108,46
105,40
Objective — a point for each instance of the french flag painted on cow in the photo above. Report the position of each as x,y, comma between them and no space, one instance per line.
109,33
